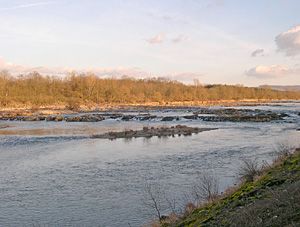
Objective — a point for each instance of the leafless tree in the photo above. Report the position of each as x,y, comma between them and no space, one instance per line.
153,198
171,202
206,188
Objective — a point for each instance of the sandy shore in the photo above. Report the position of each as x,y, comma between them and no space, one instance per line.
61,108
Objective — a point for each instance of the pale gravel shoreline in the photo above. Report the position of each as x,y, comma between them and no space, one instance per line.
61,109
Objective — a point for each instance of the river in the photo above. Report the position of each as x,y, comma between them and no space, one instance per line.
51,174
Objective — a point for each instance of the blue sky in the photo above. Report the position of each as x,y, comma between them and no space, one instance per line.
214,41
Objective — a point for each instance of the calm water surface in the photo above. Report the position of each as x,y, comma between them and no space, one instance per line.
52,174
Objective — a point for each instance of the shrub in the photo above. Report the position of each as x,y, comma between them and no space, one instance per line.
283,149
73,104
249,170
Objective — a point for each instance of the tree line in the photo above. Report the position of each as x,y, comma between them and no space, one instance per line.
81,89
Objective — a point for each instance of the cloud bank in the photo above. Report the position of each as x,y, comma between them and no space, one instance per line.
117,72
272,71
15,69
289,42
185,77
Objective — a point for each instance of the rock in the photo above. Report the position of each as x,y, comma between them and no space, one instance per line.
146,117
73,119
115,116
284,115
42,118
31,118
85,118
50,118
17,118
260,117
59,118
127,117
168,118
93,118
99,117
191,117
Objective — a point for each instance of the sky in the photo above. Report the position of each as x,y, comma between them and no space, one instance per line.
214,41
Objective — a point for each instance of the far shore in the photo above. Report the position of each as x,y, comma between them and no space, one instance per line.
62,109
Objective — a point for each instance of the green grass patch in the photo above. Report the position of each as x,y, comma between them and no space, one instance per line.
271,200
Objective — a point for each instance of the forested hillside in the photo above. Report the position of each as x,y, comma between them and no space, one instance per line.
37,90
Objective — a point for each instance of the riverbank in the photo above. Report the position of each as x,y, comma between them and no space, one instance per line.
64,108
143,113
271,198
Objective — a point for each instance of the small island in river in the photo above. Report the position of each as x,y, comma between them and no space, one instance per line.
148,132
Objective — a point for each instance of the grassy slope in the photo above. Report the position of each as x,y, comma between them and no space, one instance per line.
272,200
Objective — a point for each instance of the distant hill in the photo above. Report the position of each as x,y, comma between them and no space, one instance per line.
282,87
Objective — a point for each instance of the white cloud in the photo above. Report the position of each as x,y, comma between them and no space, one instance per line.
117,72
257,52
28,5
289,41
15,69
22,69
185,77
215,3
159,38
272,71
180,38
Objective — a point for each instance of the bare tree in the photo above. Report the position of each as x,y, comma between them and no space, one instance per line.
157,200
153,198
206,188
171,202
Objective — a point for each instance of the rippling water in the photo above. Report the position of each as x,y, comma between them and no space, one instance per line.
52,174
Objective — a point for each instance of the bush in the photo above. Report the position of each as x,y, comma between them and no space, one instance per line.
249,170
282,150
73,104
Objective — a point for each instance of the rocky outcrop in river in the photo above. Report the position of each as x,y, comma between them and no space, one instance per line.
204,114
148,132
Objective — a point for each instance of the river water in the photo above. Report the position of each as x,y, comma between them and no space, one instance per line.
51,174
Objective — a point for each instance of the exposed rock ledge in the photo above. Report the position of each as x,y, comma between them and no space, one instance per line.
4,126
147,132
